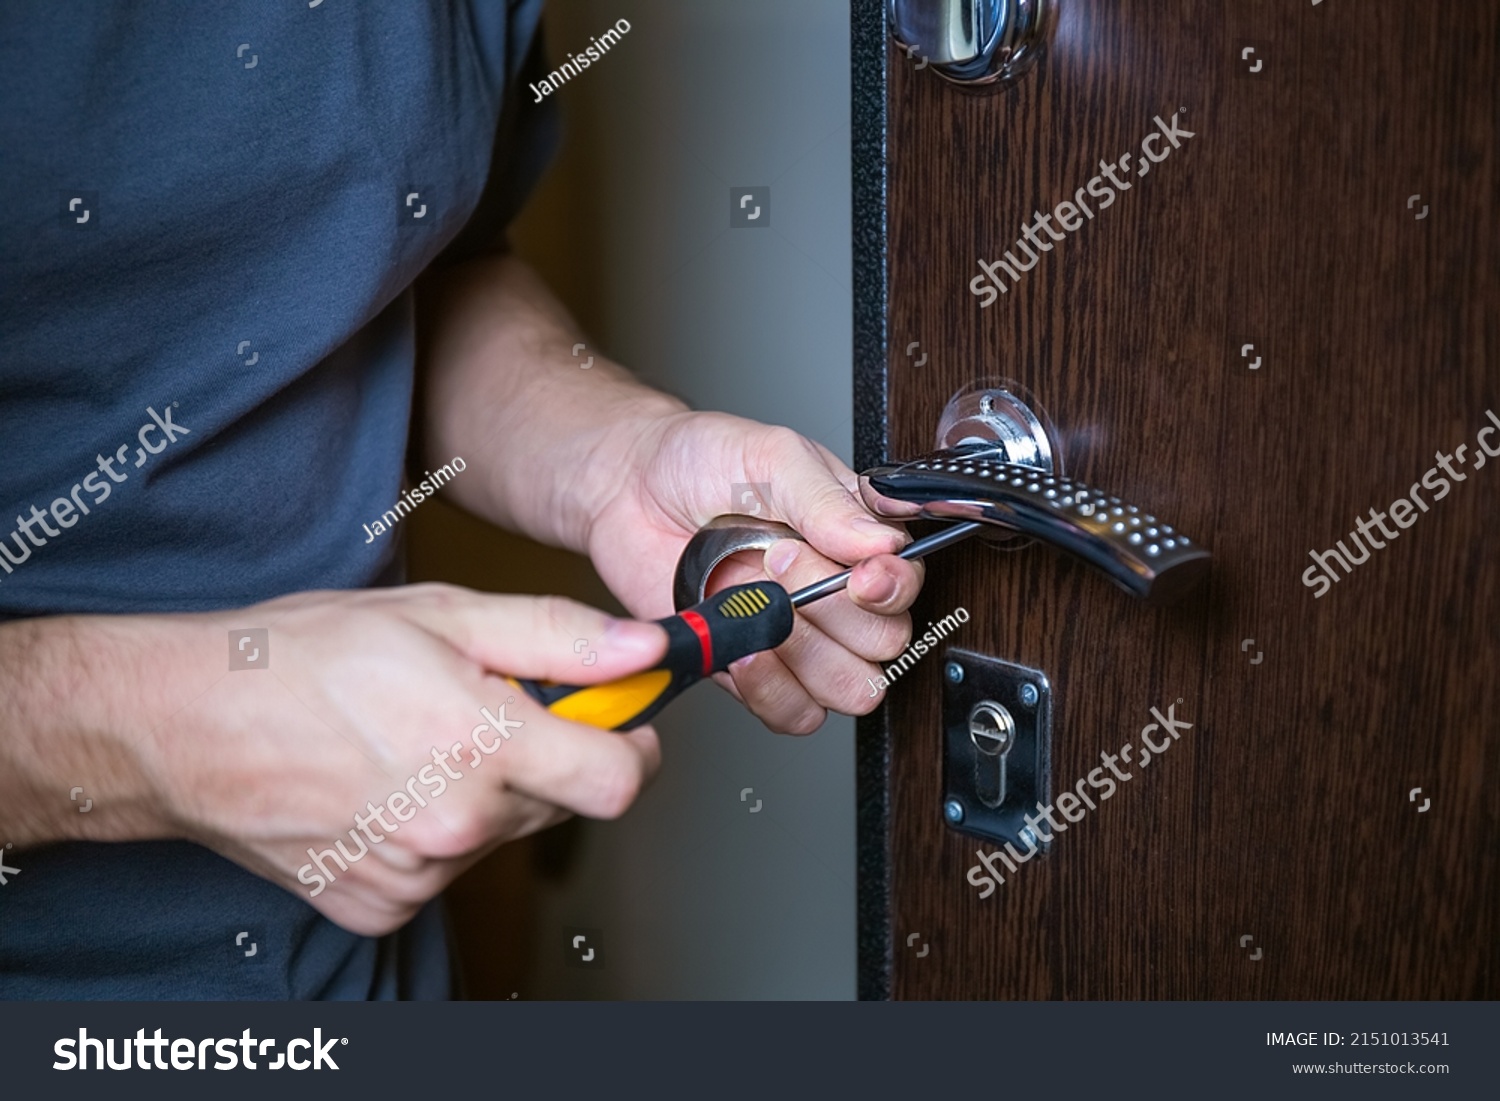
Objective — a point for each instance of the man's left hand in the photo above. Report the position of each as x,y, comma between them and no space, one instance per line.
683,470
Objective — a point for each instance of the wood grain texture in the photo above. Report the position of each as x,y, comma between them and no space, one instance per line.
1283,814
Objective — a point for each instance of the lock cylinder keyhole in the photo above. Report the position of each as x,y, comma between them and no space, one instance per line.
993,732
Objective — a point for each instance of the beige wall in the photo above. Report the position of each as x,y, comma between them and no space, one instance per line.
694,895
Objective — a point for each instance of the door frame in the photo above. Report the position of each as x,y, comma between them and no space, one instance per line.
869,53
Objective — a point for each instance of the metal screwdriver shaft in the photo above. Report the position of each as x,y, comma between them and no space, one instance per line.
925,546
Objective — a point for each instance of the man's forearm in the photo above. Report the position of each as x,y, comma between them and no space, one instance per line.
72,694
547,438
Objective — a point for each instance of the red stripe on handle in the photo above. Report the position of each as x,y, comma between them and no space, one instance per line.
705,640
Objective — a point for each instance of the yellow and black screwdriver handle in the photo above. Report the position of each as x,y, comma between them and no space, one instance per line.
705,639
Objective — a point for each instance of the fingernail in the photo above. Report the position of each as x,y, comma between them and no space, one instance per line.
631,636
881,589
780,557
868,525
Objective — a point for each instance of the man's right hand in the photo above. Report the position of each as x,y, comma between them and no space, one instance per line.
366,694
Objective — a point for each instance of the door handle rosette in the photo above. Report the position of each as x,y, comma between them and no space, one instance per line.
972,42
1138,552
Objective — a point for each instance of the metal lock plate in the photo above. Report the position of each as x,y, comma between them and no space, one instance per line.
997,747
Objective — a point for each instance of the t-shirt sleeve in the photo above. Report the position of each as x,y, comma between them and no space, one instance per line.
526,138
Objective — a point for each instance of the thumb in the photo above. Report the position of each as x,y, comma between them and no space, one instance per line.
817,494
543,637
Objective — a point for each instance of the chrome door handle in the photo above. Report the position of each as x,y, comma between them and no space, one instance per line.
996,463
1141,554
971,41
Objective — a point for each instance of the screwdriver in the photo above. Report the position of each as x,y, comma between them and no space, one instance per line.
705,639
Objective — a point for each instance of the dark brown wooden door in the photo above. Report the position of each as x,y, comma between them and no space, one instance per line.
1336,208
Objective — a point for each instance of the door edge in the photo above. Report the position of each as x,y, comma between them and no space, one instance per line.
868,56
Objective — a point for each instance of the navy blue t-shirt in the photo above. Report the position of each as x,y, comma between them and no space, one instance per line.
213,215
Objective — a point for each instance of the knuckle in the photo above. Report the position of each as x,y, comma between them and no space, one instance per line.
865,704
852,693
780,445
842,686
781,440
617,790
440,593
557,613
809,721
776,725
449,835
470,831
890,636
871,636
410,891
798,723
